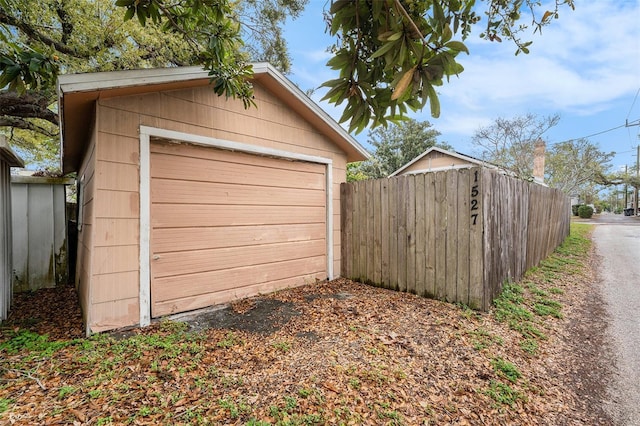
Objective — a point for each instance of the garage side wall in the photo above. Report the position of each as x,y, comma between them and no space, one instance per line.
86,220
198,111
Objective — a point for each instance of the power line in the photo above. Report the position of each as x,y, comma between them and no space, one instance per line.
599,133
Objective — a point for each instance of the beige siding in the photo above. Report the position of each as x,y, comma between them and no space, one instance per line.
248,192
435,160
86,177
198,111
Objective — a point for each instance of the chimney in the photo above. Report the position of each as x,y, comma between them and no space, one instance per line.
538,161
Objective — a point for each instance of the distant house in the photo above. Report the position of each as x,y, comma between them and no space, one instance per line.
187,199
435,159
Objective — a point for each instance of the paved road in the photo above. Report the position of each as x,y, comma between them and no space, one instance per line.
617,241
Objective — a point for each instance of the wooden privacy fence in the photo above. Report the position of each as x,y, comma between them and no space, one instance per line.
453,235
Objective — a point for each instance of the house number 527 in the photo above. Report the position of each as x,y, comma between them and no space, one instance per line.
474,198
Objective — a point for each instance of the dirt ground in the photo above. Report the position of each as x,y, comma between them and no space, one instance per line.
429,361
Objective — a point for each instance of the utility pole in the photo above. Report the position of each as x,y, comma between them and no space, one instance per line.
635,192
626,190
635,199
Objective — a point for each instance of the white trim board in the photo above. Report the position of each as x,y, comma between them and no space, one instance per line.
146,133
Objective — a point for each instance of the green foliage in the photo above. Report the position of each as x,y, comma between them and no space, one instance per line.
39,39
574,209
230,340
530,346
396,145
38,344
585,212
5,404
506,369
503,393
392,55
574,166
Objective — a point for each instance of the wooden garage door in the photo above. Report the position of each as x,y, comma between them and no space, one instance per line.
226,225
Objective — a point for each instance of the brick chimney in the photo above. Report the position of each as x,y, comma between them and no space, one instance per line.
538,161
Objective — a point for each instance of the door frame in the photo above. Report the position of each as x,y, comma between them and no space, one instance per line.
146,133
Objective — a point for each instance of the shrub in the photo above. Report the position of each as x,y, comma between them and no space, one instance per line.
574,209
585,212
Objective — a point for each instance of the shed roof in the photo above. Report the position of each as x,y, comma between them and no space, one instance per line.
7,155
78,92
468,158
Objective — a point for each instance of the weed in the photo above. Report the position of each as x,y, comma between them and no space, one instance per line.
229,341
290,402
506,369
66,390
5,404
173,326
547,307
354,383
530,346
254,422
304,393
235,409
482,339
104,420
145,411
94,393
503,393
33,342
228,381
282,346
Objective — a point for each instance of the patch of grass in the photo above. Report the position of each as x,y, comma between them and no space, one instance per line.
234,408
503,393
530,346
39,344
547,307
5,403
556,290
506,369
282,346
482,339
230,340
65,391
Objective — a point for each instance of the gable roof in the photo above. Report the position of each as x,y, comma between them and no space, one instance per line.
78,92
454,154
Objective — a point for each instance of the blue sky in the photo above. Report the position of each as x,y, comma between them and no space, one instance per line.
585,66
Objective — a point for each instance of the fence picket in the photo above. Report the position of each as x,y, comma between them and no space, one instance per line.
455,235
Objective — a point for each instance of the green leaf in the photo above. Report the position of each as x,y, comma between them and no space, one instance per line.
434,102
129,14
384,49
457,46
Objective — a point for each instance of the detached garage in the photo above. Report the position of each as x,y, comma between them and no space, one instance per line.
187,199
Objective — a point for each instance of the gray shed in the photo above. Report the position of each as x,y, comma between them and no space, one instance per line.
39,232
8,159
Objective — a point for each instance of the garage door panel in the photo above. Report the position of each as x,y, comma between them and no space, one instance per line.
191,285
182,215
228,224
201,170
189,262
207,153
234,236
203,300
180,191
